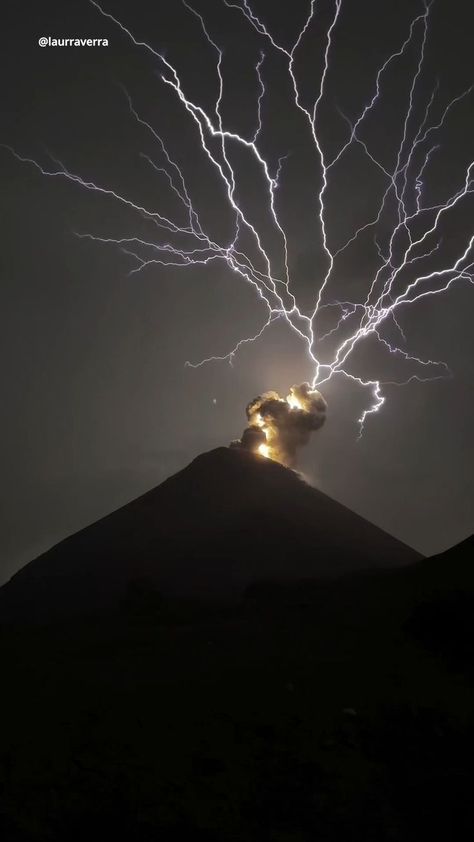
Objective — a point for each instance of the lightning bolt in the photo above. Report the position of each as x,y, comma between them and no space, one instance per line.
414,228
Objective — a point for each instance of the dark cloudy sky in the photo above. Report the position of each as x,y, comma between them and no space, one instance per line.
97,404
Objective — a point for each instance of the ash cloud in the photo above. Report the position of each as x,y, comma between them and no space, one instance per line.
278,426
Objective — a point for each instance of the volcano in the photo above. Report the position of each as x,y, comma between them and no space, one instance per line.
330,689
228,519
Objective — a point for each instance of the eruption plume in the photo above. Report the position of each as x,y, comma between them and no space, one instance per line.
278,426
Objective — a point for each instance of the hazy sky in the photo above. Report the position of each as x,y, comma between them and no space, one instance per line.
98,405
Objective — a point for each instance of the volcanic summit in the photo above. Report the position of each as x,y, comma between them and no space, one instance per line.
230,518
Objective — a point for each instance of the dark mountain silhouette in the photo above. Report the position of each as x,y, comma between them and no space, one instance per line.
452,568
227,519
313,707
442,618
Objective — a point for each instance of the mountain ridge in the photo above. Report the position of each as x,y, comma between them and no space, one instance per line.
226,519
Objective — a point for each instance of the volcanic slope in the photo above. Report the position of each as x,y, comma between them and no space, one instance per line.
229,518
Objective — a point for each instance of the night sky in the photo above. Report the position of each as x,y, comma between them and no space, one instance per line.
98,405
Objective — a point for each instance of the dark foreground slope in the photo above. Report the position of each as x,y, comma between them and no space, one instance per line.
304,711
228,518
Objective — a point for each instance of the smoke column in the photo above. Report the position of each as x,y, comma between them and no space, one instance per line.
278,426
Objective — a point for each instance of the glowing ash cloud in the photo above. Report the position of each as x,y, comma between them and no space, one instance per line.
278,426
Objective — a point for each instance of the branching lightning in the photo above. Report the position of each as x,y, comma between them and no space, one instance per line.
400,279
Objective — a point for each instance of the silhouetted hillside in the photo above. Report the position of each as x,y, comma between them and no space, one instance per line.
332,700
450,569
306,710
227,519
442,619
319,707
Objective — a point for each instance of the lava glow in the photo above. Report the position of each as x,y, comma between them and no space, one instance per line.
278,427
293,402
406,227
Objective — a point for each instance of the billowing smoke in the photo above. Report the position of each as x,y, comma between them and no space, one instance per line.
278,426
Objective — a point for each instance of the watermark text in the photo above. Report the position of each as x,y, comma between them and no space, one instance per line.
49,41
